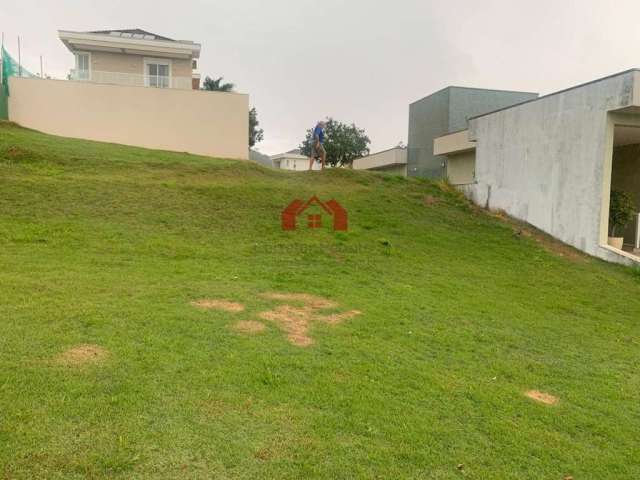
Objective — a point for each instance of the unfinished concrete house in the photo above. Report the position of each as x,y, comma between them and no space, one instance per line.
446,111
553,161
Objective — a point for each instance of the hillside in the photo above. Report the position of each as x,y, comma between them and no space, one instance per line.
156,322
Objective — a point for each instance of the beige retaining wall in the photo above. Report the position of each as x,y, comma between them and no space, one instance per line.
205,123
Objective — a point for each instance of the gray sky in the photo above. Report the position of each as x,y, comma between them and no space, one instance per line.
357,61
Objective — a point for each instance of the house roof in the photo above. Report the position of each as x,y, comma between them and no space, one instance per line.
292,155
133,41
133,33
475,89
317,201
608,77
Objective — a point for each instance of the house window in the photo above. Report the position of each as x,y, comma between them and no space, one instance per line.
82,66
194,64
157,73
315,221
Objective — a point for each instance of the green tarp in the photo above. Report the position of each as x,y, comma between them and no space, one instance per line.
10,68
4,108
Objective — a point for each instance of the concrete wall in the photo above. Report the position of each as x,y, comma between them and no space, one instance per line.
444,112
465,103
392,158
548,162
625,176
453,143
400,170
205,123
428,119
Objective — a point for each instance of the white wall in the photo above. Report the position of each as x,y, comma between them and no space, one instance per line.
393,156
206,123
290,161
548,162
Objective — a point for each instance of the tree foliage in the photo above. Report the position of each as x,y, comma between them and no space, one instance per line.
255,134
621,210
343,143
216,85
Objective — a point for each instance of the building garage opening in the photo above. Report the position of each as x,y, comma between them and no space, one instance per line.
460,157
624,210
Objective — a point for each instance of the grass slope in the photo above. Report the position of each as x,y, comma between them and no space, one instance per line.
108,245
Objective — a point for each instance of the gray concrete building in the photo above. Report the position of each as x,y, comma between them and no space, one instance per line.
446,111
553,162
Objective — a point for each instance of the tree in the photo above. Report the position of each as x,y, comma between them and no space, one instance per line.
216,85
255,134
343,143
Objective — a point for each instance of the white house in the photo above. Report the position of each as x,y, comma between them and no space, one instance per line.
133,57
136,88
292,160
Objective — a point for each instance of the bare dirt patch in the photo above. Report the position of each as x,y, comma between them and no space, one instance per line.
430,200
549,243
294,317
14,151
249,327
295,320
307,299
225,305
82,355
542,397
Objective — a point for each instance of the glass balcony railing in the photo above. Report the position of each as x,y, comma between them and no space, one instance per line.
131,79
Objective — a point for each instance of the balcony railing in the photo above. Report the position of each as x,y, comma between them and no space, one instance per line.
131,79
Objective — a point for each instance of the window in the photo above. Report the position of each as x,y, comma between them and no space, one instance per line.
194,64
157,73
82,66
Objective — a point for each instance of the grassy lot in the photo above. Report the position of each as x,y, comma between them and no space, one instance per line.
461,314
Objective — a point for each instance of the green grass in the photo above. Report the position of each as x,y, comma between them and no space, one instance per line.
108,245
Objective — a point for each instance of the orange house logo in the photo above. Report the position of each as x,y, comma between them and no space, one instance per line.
297,208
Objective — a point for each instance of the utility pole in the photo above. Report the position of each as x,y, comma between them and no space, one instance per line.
41,71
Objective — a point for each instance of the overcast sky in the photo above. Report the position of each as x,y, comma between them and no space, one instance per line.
358,61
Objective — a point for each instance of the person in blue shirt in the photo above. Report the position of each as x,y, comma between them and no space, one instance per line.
317,146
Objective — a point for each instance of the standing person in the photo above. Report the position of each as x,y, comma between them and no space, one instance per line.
317,145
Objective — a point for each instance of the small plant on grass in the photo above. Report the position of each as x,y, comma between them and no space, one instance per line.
621,211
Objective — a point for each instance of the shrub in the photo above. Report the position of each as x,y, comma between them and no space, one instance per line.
621,210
